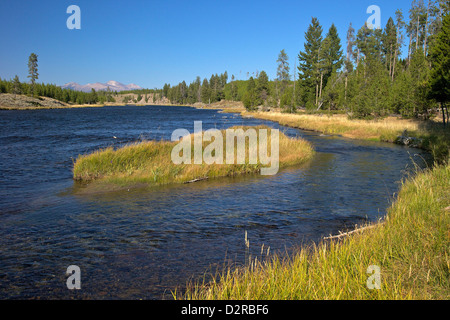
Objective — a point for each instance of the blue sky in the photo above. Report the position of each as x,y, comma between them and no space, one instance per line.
150,42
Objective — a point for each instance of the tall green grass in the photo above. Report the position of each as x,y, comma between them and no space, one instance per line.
411,247
149,163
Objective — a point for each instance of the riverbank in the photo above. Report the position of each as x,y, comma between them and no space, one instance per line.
431,135
10,101
23,102
224,106
410,248
150,164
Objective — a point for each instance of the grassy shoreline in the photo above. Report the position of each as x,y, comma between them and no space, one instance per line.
411,248
434,138
149,163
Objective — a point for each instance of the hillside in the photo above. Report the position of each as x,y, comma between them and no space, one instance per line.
12,101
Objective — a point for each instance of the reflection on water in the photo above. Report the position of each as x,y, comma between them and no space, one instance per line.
141,243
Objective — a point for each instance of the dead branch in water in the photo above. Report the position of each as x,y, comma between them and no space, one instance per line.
197,180
362,229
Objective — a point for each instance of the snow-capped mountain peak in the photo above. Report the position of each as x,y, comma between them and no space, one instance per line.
112,85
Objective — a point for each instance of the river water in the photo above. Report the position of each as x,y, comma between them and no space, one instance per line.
142,244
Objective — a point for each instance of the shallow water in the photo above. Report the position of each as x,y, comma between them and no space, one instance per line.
142,244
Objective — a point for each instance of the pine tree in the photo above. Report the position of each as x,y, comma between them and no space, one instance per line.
183,92
262,88
214,86
369,42
332,91
66,96
348,63
399,42
309,64
234,89
93,97
250,97
283,70
16,86
333,51
331,57
198,88
389,44
350,45
283,73
372,89
205,91
400,99
166,89
286,101
33,70
440,72
435,13
223,79
416,26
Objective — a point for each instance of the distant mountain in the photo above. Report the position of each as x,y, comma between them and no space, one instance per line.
113,86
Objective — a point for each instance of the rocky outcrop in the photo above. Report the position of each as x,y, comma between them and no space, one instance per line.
12,101
408,141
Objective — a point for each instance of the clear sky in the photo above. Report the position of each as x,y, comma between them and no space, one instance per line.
152,42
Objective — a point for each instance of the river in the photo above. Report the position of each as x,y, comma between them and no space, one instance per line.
141,244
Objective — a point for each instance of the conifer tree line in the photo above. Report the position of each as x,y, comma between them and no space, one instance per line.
55,92
32,88
367,75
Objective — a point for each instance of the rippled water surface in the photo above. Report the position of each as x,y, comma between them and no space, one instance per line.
142,244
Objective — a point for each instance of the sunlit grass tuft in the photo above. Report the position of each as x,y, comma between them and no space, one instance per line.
150,163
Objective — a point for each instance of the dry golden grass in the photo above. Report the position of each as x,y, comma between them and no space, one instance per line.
433,136
340,124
